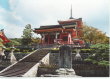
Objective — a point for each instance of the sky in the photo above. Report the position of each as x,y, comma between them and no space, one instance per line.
16,14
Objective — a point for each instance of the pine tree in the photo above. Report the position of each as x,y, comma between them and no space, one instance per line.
27,35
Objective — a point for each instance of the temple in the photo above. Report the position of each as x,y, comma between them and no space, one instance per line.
66,32
3,40
3,37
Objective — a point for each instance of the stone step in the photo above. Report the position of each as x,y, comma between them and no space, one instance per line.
14,69
25,64
51,75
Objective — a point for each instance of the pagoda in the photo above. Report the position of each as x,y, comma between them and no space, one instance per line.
3,40
3,37
66,32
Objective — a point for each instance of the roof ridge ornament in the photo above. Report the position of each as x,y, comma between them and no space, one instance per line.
71,13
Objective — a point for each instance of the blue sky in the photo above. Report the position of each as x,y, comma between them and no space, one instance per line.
4,4
15,14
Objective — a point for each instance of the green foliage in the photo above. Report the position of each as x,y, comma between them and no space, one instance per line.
88,60
14,41
27,32
9,49
94,61
27,35
36,40
17,50
87,50
1,44
100,54
26,51
100,46
27,38
1,40
94,35
103,63
26,41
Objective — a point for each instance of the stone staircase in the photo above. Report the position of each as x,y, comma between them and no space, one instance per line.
24,66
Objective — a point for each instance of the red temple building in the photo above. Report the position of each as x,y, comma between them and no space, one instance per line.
66,32
3,37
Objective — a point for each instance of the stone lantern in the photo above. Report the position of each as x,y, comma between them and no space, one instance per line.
12,57
78,56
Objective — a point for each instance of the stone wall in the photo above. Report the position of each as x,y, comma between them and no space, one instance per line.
54,59
51,58
90,70
81,68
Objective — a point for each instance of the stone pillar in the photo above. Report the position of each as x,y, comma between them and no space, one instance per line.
65,59
65,62
54,59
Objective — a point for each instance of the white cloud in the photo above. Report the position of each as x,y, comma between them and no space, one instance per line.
10,22
46,12
39,10
14,31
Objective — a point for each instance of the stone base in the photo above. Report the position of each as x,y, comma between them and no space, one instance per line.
65,71
50,75
61,72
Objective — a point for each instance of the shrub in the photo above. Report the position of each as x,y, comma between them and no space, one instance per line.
103,63
100,55
17,50
87,50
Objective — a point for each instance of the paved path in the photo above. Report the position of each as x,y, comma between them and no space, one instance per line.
25,64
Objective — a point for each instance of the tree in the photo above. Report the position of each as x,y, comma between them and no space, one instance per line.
1,44
27,35
93,35
36,40
100,54
14,41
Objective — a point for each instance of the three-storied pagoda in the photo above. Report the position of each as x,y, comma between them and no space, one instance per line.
66,32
